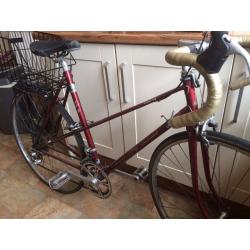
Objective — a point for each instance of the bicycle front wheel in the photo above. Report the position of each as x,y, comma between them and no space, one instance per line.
229,167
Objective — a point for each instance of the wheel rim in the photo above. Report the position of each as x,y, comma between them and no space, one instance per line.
27,117
178,200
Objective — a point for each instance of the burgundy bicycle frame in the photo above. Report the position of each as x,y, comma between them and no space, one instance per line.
85,127
189,90
192,144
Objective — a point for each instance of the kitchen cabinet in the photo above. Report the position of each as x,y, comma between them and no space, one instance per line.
95,76
146,74
237,122
135,73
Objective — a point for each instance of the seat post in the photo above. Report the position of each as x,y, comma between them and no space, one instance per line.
63,63
68,74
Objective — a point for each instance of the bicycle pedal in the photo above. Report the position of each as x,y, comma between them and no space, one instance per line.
141,173
58,180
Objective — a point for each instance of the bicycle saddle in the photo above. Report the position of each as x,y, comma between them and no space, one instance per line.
49,47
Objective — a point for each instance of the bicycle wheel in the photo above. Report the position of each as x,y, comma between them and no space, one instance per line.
28,112
229,166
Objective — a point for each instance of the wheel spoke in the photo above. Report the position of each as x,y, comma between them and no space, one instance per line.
184,152
170,160
172,205
230,176
30,115
239,182
187,176
177,183
246,200
170,164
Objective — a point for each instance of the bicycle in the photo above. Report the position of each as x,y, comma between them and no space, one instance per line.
53,147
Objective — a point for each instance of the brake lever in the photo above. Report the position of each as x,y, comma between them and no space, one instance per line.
194,46
236,48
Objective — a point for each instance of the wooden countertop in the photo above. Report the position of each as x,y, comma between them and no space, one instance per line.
155,38
132,37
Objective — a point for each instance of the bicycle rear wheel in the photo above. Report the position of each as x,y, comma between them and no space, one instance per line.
171,182
28,112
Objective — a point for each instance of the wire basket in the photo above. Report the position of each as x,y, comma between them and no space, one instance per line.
31,73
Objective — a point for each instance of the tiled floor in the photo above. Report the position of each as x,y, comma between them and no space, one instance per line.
22,195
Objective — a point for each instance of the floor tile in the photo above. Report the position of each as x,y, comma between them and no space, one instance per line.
53,209
2,174
19,197
21,171
117,181
8,140
5,212
7,157
86,202
136,192
133,211
180,206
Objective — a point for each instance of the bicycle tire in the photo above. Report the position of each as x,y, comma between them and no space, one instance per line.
219,142
59,109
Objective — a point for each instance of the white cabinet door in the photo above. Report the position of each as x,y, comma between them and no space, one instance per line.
238,125
146,74
92,81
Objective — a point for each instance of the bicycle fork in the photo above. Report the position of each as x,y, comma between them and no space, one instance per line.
192,144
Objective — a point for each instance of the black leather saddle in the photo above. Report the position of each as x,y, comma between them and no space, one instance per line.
48,47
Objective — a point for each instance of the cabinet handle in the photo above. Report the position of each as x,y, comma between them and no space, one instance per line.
125,100
238,104
110,97
237,108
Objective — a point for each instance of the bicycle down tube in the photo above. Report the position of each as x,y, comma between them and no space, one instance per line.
139,146
189,90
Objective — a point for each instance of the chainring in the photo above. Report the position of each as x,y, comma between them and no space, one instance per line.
100,184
